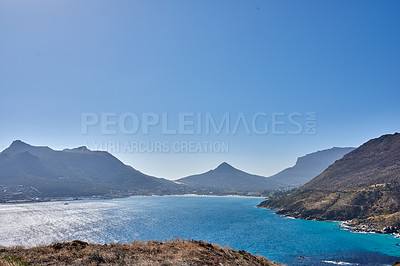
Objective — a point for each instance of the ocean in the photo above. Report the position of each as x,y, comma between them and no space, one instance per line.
228,221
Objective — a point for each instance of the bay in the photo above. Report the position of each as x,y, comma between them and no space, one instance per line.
227,221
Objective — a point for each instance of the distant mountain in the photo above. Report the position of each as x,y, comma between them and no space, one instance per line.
28,171
74,172
228,178
363,186
309,166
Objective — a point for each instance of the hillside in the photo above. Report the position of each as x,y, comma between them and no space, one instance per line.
228,178
309,166
363,186
174,252
375,162
74,172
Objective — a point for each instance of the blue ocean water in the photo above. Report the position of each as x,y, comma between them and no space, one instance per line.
231,221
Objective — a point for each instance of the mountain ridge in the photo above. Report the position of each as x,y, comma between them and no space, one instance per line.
79,171
369,164
75,172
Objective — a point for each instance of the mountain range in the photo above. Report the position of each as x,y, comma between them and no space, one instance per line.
74,172
229,178
363,186
28,171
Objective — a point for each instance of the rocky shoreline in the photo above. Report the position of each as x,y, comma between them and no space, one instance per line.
107,197
353,226
369,228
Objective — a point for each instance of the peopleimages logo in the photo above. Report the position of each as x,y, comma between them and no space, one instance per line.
201,123
199,128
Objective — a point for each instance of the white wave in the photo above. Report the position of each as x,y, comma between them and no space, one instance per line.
339,262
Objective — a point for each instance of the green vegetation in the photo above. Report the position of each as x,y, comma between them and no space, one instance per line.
14,260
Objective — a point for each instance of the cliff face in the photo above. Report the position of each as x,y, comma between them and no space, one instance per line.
308,167
175,252
363,186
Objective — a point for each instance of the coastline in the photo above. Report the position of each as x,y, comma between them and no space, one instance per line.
368,228
109,197
348,225
204,195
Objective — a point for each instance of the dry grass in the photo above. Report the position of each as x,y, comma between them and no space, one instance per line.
173,252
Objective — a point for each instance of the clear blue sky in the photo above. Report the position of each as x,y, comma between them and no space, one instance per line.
340,59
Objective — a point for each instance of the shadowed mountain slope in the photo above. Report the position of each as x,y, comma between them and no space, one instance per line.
74,172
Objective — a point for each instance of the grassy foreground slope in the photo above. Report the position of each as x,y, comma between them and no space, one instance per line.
363,186
174,252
